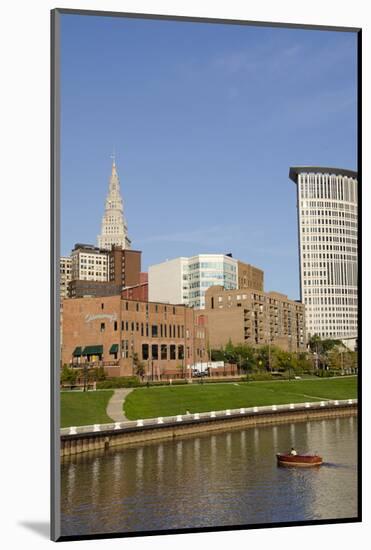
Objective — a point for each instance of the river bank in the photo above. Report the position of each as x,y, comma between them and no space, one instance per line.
103,436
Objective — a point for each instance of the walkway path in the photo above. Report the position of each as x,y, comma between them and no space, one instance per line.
115,407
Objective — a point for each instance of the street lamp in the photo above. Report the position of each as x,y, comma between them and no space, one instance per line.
85,369
132,352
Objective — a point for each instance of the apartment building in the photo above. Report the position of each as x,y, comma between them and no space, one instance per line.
248,316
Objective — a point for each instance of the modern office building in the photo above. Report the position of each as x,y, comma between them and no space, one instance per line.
114,229
256,318
327,228
185,280
111,332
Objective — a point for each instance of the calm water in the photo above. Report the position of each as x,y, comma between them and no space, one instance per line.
228,478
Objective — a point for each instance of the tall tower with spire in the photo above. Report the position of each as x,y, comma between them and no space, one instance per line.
114,229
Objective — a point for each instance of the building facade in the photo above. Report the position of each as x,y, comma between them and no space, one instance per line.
256,318
114,230
249,276
112,331
65,275
124,266
327,228
136,292
98,272
185,280
89,263
89,289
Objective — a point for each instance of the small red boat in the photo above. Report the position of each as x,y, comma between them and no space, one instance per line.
298,460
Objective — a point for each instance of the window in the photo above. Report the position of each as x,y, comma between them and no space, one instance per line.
180,352
125,349
102,327
172,352
102,306
154,331
154,351
145,351
115,325
137,306
163,351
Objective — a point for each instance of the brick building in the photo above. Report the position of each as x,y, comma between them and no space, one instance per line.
136,292
81,289
246,316
108,331
97,272
249,276
124,266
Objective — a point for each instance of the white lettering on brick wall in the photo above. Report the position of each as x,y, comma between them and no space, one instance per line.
111,318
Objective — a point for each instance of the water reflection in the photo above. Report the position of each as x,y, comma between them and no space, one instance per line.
226,478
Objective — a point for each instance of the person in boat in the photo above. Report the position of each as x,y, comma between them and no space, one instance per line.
293,452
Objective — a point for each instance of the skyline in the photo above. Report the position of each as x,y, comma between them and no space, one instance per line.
226,107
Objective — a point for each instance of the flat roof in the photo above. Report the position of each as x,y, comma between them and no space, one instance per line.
296,170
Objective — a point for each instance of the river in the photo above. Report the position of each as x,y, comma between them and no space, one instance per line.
221,479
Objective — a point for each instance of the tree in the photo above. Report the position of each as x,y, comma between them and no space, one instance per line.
217,355
97,374
68,375
139,366
230,354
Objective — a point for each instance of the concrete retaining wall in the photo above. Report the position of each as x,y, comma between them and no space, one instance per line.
89,438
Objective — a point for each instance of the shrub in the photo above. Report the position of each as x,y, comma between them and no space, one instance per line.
119,382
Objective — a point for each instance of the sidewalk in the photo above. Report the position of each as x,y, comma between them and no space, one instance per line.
115,405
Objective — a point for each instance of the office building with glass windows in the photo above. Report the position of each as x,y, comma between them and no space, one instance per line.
185,280
327,228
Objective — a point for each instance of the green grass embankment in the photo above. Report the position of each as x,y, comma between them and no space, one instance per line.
169,401
84,408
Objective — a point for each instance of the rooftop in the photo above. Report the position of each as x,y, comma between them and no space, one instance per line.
296,170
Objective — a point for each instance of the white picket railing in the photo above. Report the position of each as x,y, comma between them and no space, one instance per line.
155,422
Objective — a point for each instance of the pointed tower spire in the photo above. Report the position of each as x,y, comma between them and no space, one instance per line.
114,227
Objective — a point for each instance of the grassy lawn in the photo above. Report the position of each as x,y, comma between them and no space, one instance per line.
84,408
168,401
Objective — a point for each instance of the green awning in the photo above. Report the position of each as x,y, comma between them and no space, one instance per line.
93,350
114,348
77,352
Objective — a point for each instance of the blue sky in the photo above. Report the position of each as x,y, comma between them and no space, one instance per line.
205,121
